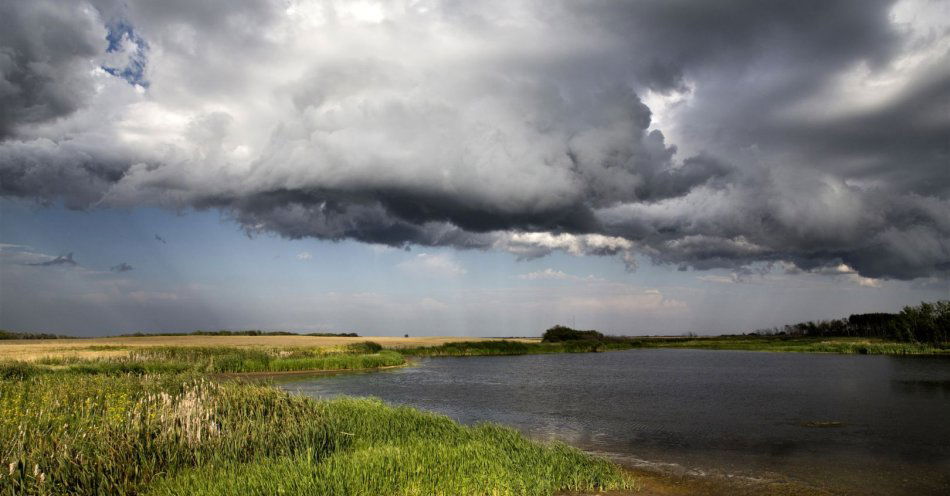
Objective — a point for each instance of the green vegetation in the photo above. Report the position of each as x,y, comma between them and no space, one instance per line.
94,434
863,346
210,359
561,333
778,343
395,451
152,422
249,332
31,335
924,323
172,434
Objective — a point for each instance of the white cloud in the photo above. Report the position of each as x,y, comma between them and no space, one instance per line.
720,279
629,301
557,275
785,273
544,274
843,271
304,255
439,264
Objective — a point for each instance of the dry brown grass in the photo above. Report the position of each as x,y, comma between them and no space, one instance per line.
29,349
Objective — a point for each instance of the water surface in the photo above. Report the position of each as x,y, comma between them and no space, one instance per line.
848,424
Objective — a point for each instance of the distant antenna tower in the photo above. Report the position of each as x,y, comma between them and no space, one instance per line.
573,321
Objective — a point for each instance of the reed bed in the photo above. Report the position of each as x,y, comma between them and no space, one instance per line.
28,350
229,359
403,451
78,434
94,434
176,360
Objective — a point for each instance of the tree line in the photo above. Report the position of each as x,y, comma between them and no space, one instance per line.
924,323
31,335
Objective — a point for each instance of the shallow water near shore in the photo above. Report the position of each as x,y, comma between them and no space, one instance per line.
841,424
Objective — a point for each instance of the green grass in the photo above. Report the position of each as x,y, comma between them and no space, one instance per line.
96,434
170,434
173,360
402,451
864,346
236,360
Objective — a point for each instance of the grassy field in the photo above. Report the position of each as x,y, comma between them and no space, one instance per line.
160,420
863,346
212,360
183,434
121,346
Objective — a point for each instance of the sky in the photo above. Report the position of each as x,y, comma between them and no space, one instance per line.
470,168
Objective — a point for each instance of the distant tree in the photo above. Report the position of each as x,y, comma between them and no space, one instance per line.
927,322
31,335
871,324
563,333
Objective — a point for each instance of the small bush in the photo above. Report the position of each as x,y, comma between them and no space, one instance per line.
364,347
563,333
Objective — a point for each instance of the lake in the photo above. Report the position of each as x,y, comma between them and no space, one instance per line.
844,423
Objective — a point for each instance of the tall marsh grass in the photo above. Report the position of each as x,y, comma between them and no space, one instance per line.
211,359
185,435
402,451
93,434
232,359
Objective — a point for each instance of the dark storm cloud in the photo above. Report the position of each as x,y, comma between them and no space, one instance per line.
528,129
674,40
60,260
46,48
903,144
77,173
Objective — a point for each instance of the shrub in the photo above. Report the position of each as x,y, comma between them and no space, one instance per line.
364,347
564,333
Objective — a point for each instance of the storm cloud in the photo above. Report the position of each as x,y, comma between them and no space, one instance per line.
698,134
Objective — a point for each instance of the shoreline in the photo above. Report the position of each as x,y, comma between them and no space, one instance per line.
671,479
657,483
106,348
302,373
653,478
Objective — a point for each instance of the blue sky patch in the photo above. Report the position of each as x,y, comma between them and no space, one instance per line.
134,71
